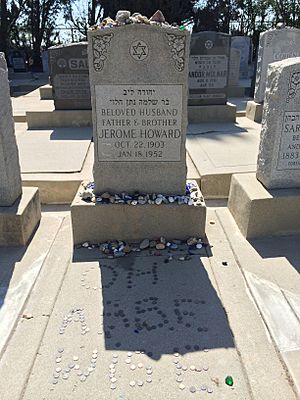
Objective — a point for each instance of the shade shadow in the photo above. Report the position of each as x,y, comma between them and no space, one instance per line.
281,246
161,307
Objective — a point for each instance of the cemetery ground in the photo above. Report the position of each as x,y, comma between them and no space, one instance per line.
146,326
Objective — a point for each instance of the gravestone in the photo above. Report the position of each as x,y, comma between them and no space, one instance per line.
274,45
209,68
243,43
69,76
10,182
279,151
139,87
234,67
19,209
268,203
139,97
18,61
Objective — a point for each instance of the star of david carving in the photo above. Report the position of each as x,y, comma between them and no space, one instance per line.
139,50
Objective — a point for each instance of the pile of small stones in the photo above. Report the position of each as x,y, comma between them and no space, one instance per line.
124,17
192,197
120,248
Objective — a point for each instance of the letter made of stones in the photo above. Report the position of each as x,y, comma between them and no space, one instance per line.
10,174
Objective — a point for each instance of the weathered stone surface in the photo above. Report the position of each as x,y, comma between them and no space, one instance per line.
274,45
234,67
279,151
138,76
69,76
242,43
10,175
209,68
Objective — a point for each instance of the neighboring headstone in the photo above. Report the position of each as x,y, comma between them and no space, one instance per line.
69,76
10,175
274,45
45,61
279,152
209,68
18,61
234,67
138,76
20,209
243,43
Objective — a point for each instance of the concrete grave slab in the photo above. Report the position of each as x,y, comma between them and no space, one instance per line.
218,150
57,150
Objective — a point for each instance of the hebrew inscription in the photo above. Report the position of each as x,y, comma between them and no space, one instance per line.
139,122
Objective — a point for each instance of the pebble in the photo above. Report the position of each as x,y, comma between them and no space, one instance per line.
132,383
181,386
144,244
160,246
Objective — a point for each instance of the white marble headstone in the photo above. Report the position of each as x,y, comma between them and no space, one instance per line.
274,45
279,151
10,174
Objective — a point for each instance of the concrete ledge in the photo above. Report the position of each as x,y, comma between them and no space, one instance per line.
54,191
254,111
236,91
215,186
59,119
18,222
100,223
20,118
260,212
211,113
46,92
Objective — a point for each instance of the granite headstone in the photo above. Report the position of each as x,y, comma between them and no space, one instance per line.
209,68
234,67
69,76
279,152
10,175
139,87
243,43
274,45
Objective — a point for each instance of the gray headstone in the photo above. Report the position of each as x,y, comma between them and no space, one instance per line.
209,68
279,152
69,76
243,43
274,45
234,67
10,175
139,87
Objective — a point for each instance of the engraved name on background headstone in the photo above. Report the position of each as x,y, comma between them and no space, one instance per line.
10,175
234,67
274,45
69,76
243,43
279,152
138,76
209,68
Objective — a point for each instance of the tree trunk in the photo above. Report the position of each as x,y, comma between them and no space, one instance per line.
4,28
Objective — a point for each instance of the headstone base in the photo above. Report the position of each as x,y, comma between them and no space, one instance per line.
18,222
254,111
97,223
260,212
46,92
59,119
211,113
236,91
